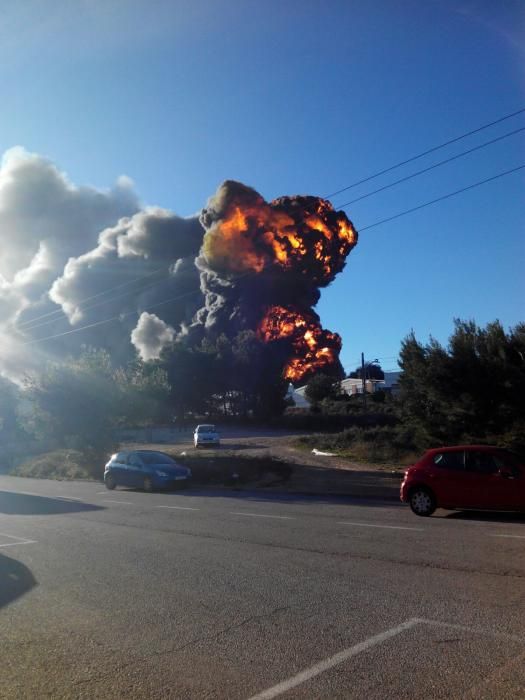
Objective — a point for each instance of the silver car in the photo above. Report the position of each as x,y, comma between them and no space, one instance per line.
206,434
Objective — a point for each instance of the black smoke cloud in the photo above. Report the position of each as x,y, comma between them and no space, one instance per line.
261,258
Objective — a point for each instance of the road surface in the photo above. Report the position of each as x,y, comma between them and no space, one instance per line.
217,594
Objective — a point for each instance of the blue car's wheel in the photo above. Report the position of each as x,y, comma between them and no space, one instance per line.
110,482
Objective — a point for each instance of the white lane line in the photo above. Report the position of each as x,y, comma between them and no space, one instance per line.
110,500
100,493
385,527
335,660
21,540
178,507
472,630
12,537
15,544
261,515
514,537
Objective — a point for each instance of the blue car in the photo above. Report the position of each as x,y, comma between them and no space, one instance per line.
145,469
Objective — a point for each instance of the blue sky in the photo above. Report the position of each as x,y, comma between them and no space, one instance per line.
302,97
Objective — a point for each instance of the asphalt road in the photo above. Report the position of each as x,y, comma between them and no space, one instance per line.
218,594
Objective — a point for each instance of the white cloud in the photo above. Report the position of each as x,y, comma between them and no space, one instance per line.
151,336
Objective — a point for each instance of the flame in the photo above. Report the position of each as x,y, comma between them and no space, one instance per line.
304,235
313,348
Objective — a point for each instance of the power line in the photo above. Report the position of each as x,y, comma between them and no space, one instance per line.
90,298
94,306
432,167
424,153
440,199
108,320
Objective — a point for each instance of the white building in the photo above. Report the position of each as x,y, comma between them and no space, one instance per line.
351,386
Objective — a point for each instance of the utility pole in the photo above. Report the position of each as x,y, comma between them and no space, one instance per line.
363,379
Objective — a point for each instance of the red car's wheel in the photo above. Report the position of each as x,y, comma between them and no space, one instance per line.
422,501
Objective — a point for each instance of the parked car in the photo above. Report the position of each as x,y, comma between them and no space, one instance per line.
465,476
206,435
145,469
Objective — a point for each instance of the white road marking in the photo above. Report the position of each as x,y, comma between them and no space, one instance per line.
21,540
261,515
14,544
515,537
99,493
386,527
110,500
178,507
472,630
335,660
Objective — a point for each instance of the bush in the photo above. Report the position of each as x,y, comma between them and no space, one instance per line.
62,464
376,444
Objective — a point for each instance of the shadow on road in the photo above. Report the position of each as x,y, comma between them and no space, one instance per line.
23,504
15,580
486,516
262,496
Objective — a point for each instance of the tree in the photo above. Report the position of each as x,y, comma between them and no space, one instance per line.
79,402
242,376
11,432
321,387
9,398
474,388
372,371
191,375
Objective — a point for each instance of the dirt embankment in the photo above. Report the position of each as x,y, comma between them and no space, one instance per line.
274,462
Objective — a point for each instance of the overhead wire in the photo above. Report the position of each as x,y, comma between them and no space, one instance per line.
108,320
28,322
119,316
442,198
431,167
425,153
99,303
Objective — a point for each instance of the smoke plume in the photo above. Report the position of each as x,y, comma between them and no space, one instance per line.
134,278
262,265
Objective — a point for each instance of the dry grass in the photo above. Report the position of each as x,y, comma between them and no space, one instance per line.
59,464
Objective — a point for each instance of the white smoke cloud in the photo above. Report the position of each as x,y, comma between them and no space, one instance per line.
151,336
44,220
44,216
63,245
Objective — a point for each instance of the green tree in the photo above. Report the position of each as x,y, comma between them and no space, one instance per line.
473,389
11,432
240,377
372,371
79,402
321,387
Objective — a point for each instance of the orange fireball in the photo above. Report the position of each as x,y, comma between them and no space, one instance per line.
313,348
301,235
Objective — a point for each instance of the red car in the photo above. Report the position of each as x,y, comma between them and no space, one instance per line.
465,476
